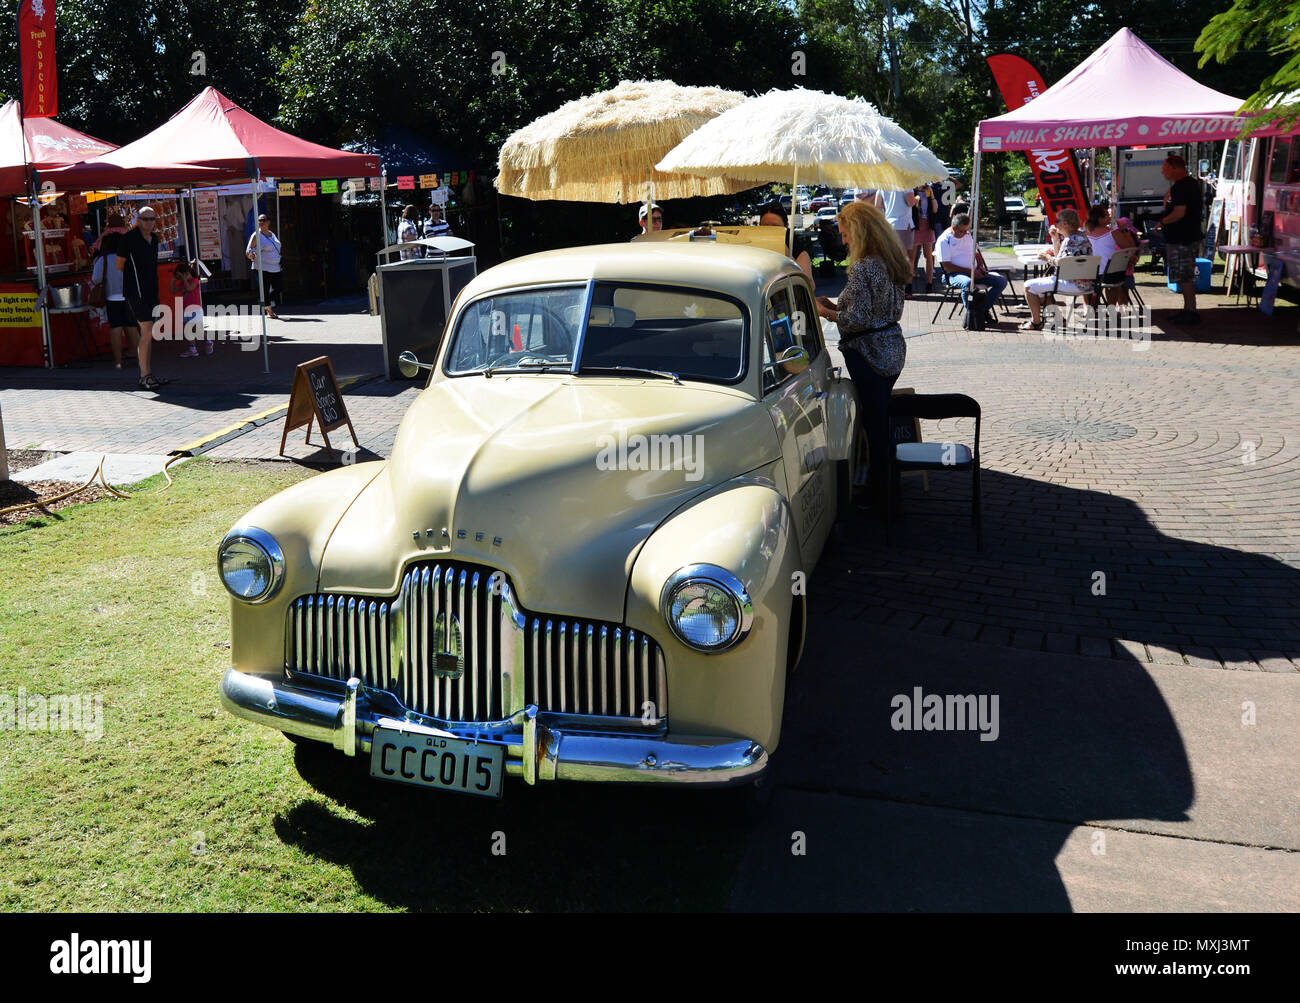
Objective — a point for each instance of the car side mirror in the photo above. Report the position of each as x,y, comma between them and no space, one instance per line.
793,360
410,365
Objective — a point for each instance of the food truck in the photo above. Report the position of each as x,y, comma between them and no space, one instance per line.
1257,201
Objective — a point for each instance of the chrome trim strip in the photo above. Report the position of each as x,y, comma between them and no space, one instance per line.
563,660
604,670
618,666
591,692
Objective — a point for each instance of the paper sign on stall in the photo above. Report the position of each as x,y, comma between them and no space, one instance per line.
209,225
286,188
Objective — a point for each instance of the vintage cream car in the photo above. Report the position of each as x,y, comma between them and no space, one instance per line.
586,558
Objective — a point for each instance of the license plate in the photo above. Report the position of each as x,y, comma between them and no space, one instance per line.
431,761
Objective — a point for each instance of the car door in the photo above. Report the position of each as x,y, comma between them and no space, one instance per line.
796,403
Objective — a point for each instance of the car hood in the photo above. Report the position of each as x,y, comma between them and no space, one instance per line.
553,480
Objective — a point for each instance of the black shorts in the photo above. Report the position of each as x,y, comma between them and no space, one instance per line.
142,308
119,314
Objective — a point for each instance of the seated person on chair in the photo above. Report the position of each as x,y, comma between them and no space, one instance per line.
955,250
1126,236
1068,240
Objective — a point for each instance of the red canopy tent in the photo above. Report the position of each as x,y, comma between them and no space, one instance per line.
212,140
40,142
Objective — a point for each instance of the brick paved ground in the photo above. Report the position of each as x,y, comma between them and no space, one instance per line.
1173,472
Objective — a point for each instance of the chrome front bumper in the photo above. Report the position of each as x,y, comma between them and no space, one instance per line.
538,746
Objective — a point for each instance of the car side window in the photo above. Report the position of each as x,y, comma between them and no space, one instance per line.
778,335
807,326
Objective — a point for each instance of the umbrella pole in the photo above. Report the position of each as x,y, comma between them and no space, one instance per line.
383,203
975,195
261,287
794,203
649,200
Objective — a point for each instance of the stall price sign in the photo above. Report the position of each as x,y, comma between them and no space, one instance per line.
209,225
406,182
307,189
329,186
358,184
18,309
315,396
376,184
428,181
286,188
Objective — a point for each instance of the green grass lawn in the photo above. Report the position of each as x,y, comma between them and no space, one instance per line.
180,806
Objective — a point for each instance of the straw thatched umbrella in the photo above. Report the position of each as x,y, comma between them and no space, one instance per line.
602,148
797,133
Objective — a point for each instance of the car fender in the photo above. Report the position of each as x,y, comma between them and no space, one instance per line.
746,527
301,519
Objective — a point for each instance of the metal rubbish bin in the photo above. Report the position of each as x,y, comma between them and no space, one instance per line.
415,295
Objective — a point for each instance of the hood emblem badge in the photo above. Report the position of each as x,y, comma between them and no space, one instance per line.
461,534
448,663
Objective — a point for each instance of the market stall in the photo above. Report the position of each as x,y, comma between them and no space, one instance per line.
42,241
1123,95
213,142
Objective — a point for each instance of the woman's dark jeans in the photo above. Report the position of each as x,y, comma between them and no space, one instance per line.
873,395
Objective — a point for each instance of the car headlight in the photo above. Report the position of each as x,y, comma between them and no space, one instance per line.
707,607
251,564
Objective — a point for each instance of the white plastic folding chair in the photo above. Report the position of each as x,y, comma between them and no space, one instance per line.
1074,269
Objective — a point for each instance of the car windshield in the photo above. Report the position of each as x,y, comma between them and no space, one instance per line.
525,330
630,330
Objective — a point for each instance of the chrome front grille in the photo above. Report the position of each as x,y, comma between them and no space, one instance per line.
578,667
453,645
340,637
452,610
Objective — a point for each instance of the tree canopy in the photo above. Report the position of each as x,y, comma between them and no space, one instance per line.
1273,25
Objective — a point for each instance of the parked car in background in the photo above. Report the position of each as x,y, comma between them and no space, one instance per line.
821,202
1014,207
584,558
827,213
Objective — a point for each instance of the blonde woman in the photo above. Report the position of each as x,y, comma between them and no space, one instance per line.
867,314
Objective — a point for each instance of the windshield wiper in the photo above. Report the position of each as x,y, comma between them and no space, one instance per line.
662,373
524,364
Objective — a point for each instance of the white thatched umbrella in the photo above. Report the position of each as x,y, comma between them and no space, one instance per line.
602,148
821,137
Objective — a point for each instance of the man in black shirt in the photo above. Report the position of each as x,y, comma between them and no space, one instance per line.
1181,226
137,260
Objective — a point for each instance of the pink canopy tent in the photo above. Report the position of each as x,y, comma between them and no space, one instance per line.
41,142
1124,94
212,140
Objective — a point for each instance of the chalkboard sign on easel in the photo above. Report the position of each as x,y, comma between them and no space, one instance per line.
316,397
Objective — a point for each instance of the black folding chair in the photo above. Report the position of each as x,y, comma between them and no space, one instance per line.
937,455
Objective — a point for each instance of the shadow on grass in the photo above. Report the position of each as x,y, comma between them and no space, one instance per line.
568,847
